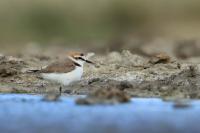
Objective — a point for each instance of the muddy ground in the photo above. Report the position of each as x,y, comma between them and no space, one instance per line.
161,75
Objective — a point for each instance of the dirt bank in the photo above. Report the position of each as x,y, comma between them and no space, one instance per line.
158,76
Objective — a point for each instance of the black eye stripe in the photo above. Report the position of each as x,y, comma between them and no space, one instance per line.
81,58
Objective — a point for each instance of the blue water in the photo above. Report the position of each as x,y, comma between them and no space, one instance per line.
28,113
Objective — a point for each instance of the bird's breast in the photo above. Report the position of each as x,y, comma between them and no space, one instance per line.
76,73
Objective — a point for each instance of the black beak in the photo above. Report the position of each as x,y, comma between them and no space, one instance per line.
87,61
90,62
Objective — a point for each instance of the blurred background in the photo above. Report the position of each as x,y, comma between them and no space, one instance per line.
142,26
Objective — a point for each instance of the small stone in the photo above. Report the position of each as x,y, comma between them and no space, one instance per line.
160,58
68,91
125,84
51,97
181,104
93,80
104,96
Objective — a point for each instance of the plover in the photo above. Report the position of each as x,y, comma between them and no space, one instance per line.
68,70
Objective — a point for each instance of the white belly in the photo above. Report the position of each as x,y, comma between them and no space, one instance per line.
65,78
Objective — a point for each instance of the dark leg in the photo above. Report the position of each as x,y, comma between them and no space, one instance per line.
60,90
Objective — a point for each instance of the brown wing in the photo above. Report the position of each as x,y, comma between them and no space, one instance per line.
60,67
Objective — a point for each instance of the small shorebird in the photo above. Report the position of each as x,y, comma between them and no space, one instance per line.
68,70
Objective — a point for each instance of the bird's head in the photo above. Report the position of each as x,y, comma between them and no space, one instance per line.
79,58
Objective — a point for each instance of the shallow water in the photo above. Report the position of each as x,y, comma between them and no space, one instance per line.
28,113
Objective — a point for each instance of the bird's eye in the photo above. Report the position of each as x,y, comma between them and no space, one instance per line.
81,54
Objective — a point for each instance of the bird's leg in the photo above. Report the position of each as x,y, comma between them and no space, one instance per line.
60,89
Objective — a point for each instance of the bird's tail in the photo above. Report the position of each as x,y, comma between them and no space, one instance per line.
33,70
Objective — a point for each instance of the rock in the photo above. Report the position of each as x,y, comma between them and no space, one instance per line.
104,96
125,84
160,58
181,104
10,66
94,80
114,57
51,97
